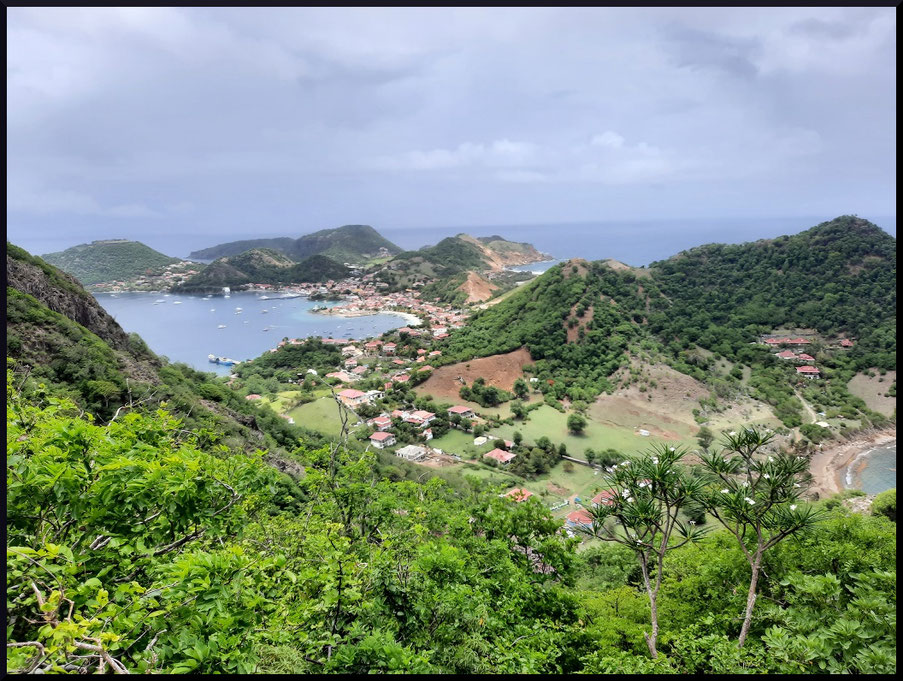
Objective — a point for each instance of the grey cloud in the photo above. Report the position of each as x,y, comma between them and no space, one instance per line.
236,120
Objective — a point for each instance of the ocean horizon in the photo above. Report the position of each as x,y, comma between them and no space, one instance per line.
634,242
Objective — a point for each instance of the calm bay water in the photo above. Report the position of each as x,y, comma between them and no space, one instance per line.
186,328
879,472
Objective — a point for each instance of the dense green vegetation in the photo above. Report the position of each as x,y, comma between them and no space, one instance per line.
351,243
116,260
262,266
177,527
145,546
536,317
837,278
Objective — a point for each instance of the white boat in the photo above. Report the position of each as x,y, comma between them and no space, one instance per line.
264,297
166,295
264,311
238,309
221,326
157,302
213,309
266,328
177,302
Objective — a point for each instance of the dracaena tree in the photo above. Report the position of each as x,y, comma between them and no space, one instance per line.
756,495
642,512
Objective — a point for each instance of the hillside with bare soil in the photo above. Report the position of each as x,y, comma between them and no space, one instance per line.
499,371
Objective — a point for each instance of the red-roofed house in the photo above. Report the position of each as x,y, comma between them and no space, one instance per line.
421,351
351,397
426,367
380,423
460,410
399,362
787,354
403,378
501,456
808,371
846,343
579,518
798,341
359,371
435,353
604,498
381,439
519,495
424,417
772,341
803,357
372,347
252,397
389,348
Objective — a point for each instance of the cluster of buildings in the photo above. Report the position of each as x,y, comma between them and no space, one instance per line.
161,279
792,353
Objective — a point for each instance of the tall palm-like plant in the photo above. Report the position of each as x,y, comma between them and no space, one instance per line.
756,496
642,513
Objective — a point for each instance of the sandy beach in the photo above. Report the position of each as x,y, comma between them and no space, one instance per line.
829,465
411,319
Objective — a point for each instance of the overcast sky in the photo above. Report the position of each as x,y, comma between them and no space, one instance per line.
235,121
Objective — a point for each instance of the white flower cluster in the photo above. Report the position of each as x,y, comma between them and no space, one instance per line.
655,460
749,501
792,507
725,491
766,476
671,448
732,433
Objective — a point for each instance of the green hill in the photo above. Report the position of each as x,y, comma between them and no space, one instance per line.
109,260
579,320
351,243
455,256
157,521
262,266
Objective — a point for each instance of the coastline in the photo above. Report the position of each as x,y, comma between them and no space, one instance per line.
411,319
829,466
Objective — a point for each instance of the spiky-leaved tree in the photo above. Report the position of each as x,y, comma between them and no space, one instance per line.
642,511
756,496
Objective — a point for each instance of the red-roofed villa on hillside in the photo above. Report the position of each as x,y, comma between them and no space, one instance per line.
604,498
519,494
846,343
808,371
500,455
461,410
786,354
803,357
252,397
351,397
381,440
579,518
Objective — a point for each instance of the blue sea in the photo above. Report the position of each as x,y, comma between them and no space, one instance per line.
186,328
635,242
879,472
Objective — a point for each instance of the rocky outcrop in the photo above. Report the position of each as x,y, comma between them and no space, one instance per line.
63,294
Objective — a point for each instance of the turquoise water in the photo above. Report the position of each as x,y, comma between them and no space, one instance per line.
186,328
536,267
879,473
